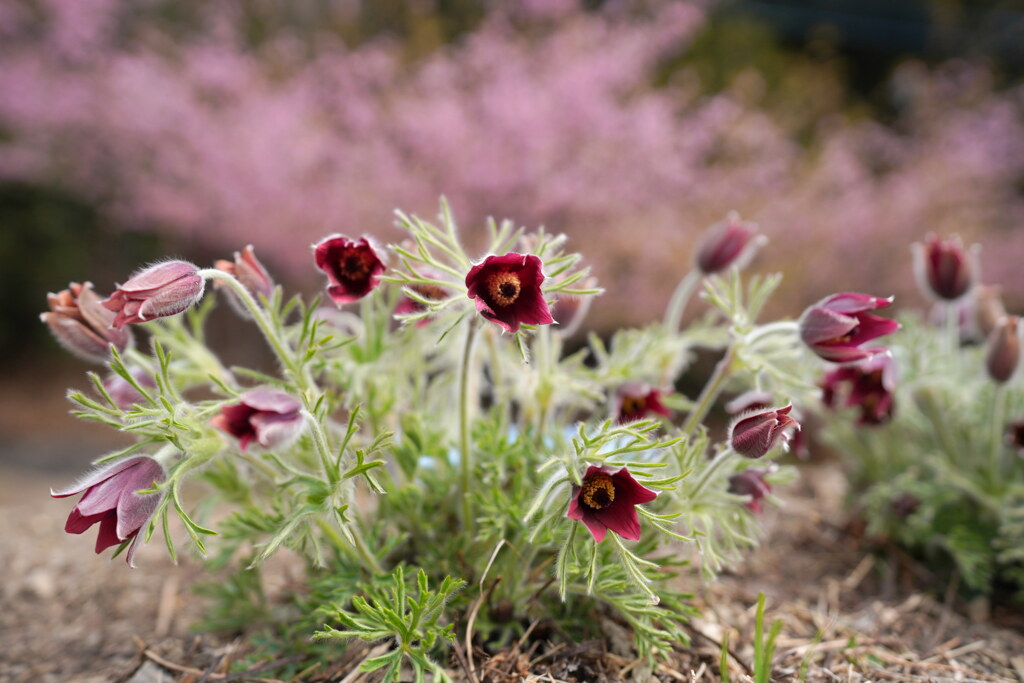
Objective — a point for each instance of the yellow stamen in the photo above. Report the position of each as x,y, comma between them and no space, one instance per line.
598,491
504,288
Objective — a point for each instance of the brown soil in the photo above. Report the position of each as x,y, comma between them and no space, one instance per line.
847,616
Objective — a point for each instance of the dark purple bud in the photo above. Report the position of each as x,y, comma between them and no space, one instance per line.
636,400
1002,352
607,500
750,482
943,268
112,500
731,242
837,326
81,324
158,291
754,434
868,385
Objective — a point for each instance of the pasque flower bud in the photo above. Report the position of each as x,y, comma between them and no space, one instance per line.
750,482
82,325
756,433
161,290
943,268
248,270
835,327
1002,353
731,242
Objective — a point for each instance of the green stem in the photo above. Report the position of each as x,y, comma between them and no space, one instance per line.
259,316
998,418
710,392
680,297
465,456
362,552
726,455
322,449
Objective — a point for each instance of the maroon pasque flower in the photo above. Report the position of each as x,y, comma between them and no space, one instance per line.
353,267
868,385
753,434
607,500
636,400
943,268
507,291
112,500
248,270
1002,352
731,242
1015,435
269,417
157,291
750,482
835,327
81,324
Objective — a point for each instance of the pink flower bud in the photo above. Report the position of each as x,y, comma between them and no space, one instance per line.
81,324
507,290
636,400
943,268
1002,353
755,433
123,393
112,500
835,327
159,291
731,242
269,417
607,500
248,270
353,267
750,482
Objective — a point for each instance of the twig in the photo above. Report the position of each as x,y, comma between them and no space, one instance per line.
743,665
473,611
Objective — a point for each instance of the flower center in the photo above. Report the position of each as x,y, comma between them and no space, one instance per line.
354,266
598,491
633,405
504,288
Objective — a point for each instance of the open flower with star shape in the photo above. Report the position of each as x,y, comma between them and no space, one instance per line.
353,267
607,500
507,290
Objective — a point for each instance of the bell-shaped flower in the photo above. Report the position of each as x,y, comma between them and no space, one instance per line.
868,385
158,291
730,243
248,270
113,501
837,326
751,482
269,417
1002,350
943,268
79,321
507,290
123,393
636,400
755,433
353,267
607,500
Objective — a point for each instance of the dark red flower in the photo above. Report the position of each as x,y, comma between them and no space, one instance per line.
754,434
507,290
82,325
868,385
269,417
607,500
1002,352
835,327
158,291
750,482
636,400
731,242
353,267
943,268
112,500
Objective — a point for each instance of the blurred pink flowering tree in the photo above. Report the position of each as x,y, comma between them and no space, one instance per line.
548,114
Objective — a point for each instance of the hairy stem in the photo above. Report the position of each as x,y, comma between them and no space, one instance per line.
710,392
680,297
465,455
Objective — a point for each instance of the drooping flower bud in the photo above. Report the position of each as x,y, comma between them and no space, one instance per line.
248,270
636,400
112,500
943,268
1002,352
159,291
82,325
755,434
837,326
750,482
607,500
353,267
507,290
269,417
730,243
